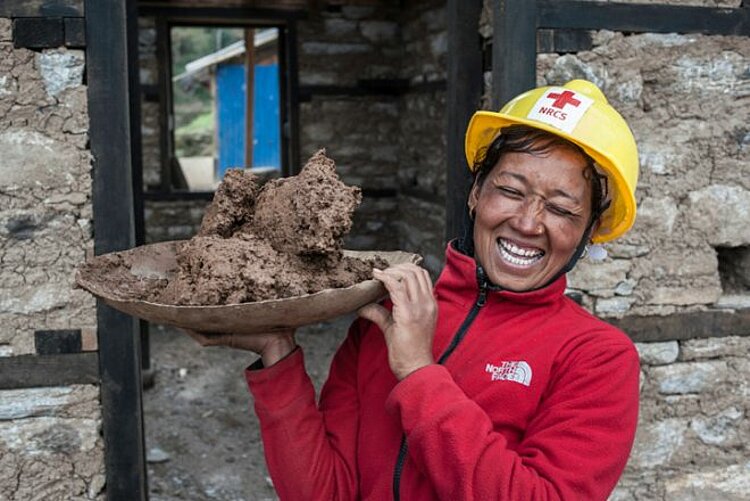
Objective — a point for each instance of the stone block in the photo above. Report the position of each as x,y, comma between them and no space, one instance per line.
6,30
690,377
658,353
613,306
684,296
379,31
728,483
61,69
733,302
61,401
599,278
38,32
721,429
33,159
720,212
732,346
338,27
89,340
656,442
657,216
334,49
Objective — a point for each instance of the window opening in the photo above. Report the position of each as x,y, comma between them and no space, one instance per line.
226,103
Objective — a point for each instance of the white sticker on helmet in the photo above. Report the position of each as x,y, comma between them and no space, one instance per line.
560,108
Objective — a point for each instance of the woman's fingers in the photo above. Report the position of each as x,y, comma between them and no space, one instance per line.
376,314
405,282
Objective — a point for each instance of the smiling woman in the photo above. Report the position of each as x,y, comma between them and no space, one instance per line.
492,384
532,204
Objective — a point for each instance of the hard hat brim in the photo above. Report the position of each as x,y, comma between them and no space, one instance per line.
484,128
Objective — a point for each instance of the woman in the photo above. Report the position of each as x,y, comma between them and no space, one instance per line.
492,384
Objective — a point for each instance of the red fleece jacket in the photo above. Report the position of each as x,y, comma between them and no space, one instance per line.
538,401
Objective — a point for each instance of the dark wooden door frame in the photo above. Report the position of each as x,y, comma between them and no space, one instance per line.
114,229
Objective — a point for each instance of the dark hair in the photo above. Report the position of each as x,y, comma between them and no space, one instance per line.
525,139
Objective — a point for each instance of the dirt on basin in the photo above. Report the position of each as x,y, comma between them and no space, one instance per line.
202,436
257,242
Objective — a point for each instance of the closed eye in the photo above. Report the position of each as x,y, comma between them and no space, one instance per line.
511,192
560,211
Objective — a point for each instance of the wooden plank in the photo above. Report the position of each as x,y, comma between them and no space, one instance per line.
163,59
293,99
682,326
114,229
32,371
57,341
465,86
562,41
38,32
247,16
513,49
41,8
75,32
249,94
643,18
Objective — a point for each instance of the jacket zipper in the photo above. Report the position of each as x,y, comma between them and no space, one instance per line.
457,337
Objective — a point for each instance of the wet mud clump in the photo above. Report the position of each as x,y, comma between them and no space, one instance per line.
281,239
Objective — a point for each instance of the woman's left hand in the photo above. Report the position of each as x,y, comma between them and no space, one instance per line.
410,326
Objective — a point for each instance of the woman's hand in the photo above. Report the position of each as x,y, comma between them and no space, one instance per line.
410,326
271,347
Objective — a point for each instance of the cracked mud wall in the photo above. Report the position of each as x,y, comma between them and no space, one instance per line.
50,446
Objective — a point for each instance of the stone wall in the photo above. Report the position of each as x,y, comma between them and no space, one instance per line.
50,444
339,47
685,97
422,165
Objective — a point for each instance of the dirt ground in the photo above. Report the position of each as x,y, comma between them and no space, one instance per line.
202,436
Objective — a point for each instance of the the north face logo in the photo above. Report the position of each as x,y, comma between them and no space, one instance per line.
519,371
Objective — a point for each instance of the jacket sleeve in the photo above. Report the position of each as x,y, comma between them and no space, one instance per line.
310,449
574,448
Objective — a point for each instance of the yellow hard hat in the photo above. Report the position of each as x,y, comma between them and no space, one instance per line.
578,112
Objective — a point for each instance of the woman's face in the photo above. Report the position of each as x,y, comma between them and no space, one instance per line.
531,212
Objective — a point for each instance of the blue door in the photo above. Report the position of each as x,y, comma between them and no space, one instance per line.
230,97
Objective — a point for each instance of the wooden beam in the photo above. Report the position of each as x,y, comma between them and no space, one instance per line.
643,18
513,49
683,326
114,229
465,85
291,127
249,94
32,371
41,8
228,16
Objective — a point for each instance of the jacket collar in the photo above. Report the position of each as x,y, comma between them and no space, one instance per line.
459,278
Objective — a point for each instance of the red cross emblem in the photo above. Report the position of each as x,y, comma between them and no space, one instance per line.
563,98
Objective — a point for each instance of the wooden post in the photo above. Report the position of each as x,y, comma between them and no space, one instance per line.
464,91
513,49
114,230
249,94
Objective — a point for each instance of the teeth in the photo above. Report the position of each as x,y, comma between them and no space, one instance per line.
517,255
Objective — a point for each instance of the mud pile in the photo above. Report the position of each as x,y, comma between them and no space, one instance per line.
282,239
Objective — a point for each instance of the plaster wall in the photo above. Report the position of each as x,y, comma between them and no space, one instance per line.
50,444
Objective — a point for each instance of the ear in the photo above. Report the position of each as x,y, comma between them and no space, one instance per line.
473,197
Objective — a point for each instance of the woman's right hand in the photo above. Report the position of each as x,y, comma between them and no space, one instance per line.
271,347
